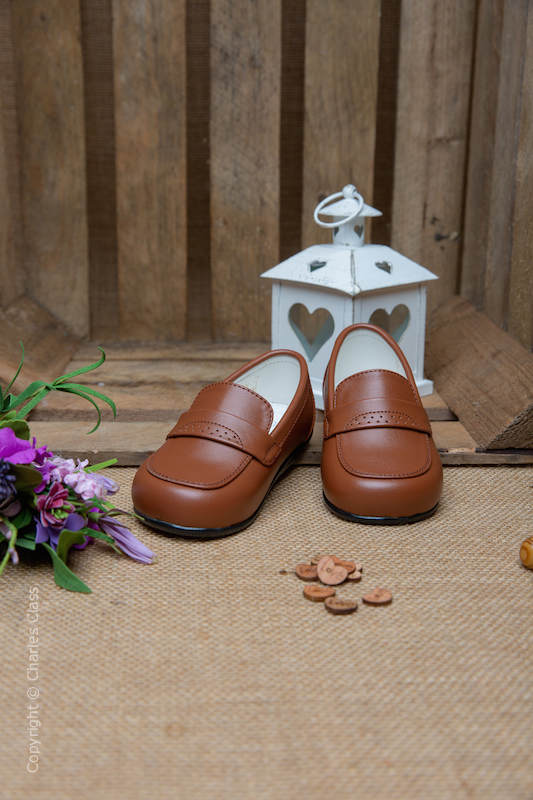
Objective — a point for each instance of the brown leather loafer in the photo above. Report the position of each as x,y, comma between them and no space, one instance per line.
218,463
379,462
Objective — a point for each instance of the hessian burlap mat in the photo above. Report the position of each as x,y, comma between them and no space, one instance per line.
208,675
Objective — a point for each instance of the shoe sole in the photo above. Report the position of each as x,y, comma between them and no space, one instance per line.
347,515
219,533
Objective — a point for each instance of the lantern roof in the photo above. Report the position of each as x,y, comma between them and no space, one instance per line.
350,270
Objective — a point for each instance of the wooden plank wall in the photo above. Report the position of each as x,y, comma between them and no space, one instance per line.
497,271
156,157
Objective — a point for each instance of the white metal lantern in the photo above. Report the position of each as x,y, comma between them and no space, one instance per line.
318,292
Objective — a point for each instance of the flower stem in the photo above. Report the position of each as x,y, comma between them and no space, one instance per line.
11,543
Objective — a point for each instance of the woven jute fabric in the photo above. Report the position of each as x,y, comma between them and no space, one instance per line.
208,675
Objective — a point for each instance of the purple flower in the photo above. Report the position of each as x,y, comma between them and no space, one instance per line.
90,484
7,485
86,484
125,540
53,507
14,450
72,522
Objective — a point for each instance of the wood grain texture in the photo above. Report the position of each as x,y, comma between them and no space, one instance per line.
503,185
483,374
291,165
52,155
97,39
480,170
148,42
245,122
48,344
11,271
431,136
387,101
197,41
341,79
520,311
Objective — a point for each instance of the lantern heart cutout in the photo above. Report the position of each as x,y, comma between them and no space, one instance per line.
394,323
313,330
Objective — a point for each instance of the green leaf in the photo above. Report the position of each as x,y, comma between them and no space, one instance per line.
35,400
23,518
29,391
101,465
90,400
82,370
27,542
17,373
20,427
63,576
27,477
66,540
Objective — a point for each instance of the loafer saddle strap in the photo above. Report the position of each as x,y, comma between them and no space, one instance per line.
377,412
221,426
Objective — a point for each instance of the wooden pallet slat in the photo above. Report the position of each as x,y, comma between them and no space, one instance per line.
484,375
150,123
46,38
436,41
245,108
341,79
11,273
520,312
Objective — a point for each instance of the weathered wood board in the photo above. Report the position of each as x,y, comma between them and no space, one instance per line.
51,140
484,375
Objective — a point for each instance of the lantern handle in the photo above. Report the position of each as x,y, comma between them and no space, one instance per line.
348,192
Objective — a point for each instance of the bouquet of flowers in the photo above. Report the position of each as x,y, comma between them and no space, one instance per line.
52,502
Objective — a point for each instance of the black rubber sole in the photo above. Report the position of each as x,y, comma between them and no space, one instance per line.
347,515
218,533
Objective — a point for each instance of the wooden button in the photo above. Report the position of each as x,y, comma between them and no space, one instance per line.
316,559
378,597
349,566
354,576
330,573
318,593
337,605
306,572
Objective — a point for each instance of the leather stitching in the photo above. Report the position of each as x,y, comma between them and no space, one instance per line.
385,416
209,430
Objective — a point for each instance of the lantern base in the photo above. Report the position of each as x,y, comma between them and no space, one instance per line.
423,385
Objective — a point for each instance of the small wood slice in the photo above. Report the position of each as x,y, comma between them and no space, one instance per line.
354,576
329,573
306,572
317,558
378,597
337,605
349,566
318,593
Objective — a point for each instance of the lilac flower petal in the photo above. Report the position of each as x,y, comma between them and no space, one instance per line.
74,522
125,540
42,533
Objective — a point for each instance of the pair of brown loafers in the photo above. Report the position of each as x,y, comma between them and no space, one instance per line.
218,463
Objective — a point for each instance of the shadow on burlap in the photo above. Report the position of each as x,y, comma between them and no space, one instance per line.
208,675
